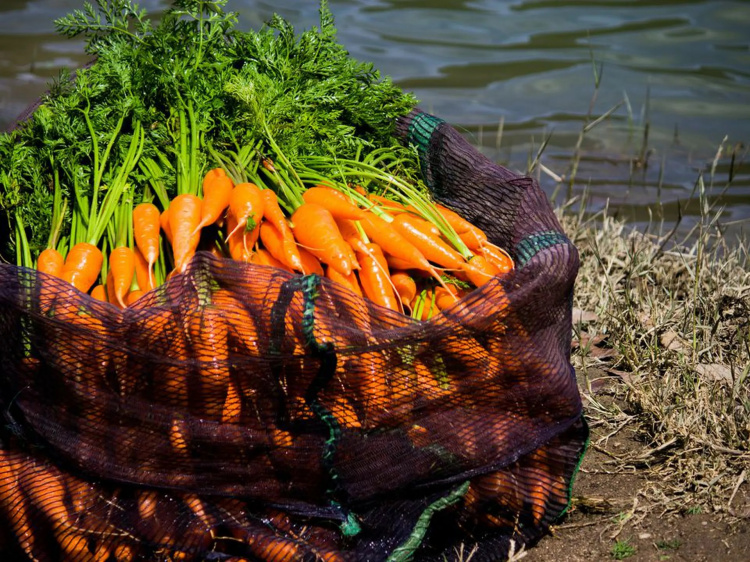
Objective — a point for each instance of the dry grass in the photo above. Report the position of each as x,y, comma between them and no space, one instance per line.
673,325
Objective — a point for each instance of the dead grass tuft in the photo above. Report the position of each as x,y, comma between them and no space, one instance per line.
672,324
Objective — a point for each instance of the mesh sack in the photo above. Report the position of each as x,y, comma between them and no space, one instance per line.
240,412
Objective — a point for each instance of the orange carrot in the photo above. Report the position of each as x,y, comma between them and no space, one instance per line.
310,264
393,243
146,225
474,238
432,248
479,270
406,287
247,204
99,292
122,266
388,205
82,266
459,224
143,272
50,261
373,275
283,250
498,257
184,217
110,287
217,190
164,223
334,202
348,281
316,230
240,244
264,257
272,212
133,296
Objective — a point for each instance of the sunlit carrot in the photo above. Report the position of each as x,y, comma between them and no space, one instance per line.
374,277
83,265
273,214
474,238
146,225
241,242
246,203
393,243
479,270
282,249
316,230
334,202
133,296
498,257
406,287
99,292
145,281
310,264
184,217
459,224
348,281
217,190
432,248
264,257
122,266
50,261
165,226
110,288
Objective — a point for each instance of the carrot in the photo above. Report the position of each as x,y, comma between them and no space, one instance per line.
498,257
184,216
459,224
122,266
405,286
232,409
264,257
334,202
143,272
83,265
348,281
432,248
217,190
274,549
272,212
99,292
310,264
474,238
392,207
393,243
247,204
19,515
146,225
316,230
133,296
240,244
164,224
373,275
110,288
50,261
282,249
479,270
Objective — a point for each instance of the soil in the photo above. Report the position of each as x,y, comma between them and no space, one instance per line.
611,519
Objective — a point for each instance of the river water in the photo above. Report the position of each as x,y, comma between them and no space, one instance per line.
515,75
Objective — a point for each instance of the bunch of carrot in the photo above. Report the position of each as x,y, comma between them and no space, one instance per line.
384,250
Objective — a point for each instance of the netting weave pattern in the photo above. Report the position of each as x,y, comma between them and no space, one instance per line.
239,412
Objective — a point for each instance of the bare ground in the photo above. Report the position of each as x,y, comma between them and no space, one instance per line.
614,516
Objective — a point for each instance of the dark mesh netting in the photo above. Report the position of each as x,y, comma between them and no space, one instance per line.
239,412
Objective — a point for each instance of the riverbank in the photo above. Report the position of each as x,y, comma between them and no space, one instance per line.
661,347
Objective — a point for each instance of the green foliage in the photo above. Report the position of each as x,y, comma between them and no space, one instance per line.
622,549
196,83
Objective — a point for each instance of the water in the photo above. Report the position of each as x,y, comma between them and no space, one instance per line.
511,75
